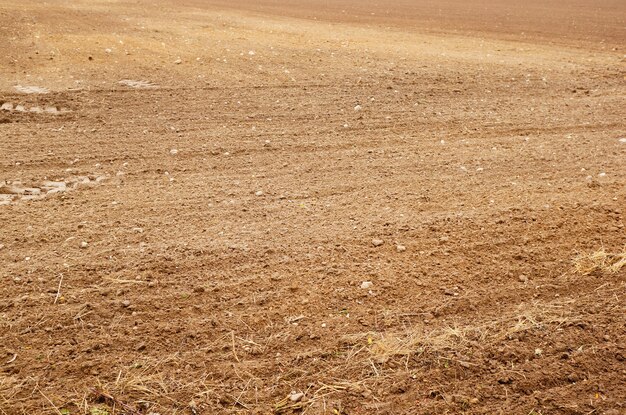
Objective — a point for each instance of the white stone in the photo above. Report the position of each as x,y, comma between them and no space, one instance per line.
296,396
377,242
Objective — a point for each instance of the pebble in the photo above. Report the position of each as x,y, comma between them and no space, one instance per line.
377,242
178,61
259,193
84,244
622,140
523,278
173,152
126,303
358,108
296,396
400,248
367,285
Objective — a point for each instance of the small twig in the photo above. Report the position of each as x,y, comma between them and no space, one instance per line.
237,401
232,335
58,290
374,367
98,393
121,281
51,403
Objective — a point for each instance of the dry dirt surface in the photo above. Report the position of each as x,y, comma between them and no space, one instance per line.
312,207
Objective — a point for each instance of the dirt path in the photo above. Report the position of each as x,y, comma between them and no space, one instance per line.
211,208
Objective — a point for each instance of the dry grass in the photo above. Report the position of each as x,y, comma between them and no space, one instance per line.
600,261
457,338
146,385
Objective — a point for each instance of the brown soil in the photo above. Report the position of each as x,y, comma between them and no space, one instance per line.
407,209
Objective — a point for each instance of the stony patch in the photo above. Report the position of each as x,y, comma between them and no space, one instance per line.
15,191
35,109
31,89
138,84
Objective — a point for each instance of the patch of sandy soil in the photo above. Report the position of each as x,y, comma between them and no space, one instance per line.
283,207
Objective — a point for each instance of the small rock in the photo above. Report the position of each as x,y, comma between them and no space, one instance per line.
505,380
199,289
56,185
141,346
602,174
173,152
523,278
84,244
574,377
358,108
377,242
296,396
259,193
126,303
366,285
622,140
178,61
400,248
